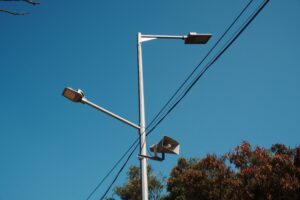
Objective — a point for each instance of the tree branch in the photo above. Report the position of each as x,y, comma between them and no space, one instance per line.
27,1
13,13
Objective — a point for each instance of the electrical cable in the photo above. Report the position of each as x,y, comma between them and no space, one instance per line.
205,57
227,45
112,169
196,68
119,172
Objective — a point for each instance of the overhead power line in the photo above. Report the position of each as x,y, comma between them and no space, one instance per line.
157,120
197,67
118,174
111,170
215,58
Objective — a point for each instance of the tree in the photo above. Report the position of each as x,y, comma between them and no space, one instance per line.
246,173
204,179
266,174
131,189
18,13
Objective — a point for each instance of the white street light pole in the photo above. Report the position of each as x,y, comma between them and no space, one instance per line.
191,38
143,150
78,96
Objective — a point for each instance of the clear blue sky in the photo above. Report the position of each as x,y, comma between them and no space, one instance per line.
51,148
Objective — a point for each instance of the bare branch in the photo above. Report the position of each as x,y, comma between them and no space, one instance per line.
32,2
27,1
18,13
13,13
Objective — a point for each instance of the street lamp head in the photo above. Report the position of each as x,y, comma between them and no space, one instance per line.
195,38
73,95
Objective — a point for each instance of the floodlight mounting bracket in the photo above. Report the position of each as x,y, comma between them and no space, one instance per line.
157,158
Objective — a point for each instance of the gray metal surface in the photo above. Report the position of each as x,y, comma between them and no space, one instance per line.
84,100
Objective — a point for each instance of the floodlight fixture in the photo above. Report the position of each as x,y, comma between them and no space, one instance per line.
166,145
73,95
196,38
191,38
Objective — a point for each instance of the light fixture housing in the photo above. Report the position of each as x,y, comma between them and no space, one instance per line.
166,145
73,95
195,38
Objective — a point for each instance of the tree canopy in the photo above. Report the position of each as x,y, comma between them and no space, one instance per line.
245,173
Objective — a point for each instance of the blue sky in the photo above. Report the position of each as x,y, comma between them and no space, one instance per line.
51,148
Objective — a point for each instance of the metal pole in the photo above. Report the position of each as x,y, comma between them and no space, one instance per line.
143,146
165,36
84,100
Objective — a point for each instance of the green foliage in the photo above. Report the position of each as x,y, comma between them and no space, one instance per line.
131,189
